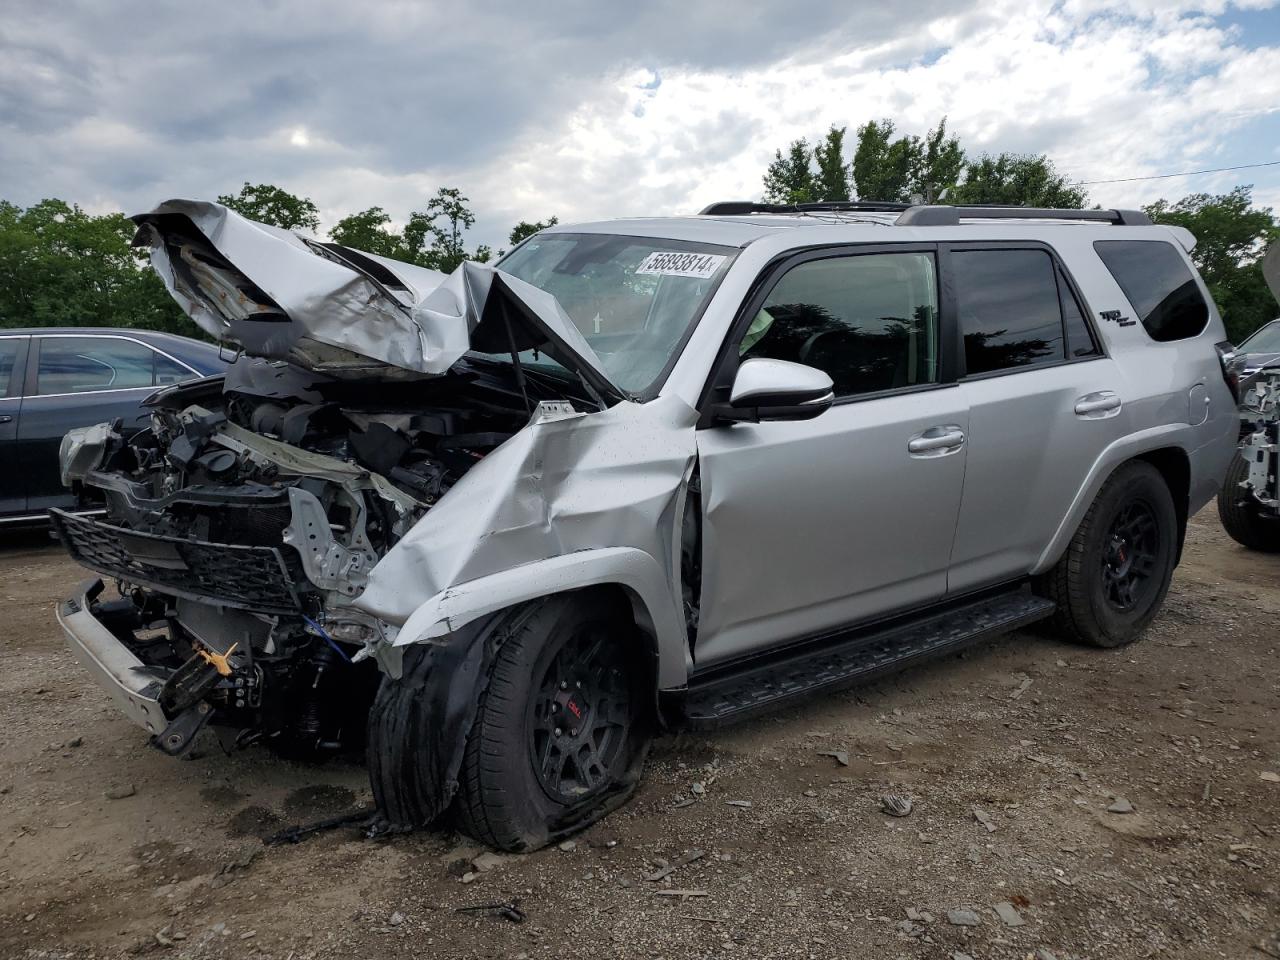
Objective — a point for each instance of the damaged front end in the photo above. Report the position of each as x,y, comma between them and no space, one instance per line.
397,468
243,523
241,527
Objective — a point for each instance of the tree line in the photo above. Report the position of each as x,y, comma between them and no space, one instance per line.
61,266
931,169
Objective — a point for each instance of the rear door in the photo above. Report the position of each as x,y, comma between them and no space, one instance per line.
811,525
80,380
13,362
1044,402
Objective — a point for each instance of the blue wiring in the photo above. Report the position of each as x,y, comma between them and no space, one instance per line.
328,639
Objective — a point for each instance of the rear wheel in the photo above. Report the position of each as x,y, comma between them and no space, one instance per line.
1242,516
562,730
1113,578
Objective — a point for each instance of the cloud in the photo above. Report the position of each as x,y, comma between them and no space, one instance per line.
591,110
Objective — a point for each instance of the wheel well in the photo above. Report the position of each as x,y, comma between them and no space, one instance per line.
1175,468
633,607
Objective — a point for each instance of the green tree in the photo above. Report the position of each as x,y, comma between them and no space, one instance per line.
832,180
435,237
367,231
524,229
883,166
939,164
789,178
896,169
1024,179
1231,236
272,205
60,266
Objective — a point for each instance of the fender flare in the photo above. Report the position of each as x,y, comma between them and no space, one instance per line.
656,610
1126,448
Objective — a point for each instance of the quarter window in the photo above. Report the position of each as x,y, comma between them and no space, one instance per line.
170,371
1159,285
1009,309
83,364
870,321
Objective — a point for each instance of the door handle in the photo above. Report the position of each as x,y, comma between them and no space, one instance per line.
1095,406
5,418
936,441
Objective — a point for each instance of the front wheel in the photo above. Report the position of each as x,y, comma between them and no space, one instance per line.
1110,583
1242,516
562,730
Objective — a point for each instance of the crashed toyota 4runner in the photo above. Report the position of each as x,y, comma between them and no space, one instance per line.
502,526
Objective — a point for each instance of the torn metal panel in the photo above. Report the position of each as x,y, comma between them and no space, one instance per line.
279,295
564,484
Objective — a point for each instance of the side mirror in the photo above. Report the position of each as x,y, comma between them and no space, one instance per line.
776,390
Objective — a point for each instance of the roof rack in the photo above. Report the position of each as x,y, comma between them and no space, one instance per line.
940,215
931,215
740,208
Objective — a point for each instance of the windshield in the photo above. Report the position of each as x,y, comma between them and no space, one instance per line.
1264,340
633,298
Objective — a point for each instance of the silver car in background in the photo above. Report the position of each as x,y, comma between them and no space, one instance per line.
641,473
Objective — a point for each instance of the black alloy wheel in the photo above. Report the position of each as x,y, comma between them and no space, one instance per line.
580,716
1129,555
1112,579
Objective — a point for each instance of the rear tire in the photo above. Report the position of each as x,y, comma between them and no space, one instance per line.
1113,578
1242,516
562,730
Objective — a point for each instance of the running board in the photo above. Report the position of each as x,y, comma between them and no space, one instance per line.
727,695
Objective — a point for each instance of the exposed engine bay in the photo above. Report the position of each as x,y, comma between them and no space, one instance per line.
243,521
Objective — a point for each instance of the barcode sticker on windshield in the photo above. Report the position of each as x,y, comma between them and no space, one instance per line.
700,266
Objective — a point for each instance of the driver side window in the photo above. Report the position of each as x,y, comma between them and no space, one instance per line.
870,321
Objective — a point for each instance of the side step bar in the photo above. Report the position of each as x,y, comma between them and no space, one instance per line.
726,695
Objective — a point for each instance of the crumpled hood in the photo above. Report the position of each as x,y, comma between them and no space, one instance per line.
285,296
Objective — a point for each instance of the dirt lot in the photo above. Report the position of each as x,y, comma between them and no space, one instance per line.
1036,738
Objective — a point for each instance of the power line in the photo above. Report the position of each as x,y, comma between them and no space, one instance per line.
1189,173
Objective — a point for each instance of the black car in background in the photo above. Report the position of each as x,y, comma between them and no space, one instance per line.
56,378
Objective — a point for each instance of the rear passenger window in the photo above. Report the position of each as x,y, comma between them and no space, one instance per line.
1009,309
1159,285
869,321
84,364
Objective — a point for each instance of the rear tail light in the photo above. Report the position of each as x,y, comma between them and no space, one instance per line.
1232,366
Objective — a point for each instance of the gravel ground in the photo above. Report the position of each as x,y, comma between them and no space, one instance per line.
1016,757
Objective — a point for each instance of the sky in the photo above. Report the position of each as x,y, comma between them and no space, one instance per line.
591,109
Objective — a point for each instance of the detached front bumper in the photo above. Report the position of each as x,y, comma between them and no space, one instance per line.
133,685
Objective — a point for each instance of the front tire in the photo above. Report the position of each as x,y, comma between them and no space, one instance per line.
1242,516
562,730
1113,578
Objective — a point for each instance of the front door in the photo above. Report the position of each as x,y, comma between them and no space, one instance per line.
812,525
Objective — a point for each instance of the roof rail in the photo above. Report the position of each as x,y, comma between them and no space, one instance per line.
944,215
739,208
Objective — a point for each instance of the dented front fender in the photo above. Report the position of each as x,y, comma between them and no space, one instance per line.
636,572
571,500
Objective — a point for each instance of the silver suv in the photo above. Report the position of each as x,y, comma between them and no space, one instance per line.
500,527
